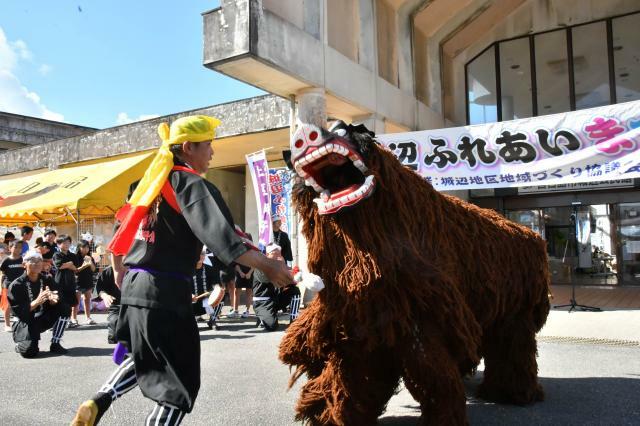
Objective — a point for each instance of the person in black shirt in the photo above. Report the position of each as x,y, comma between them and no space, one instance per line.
268,300
11,269
50,240
38,308
110,295
8,237
85,267
65,275
216,267
156,322
281,238
203,282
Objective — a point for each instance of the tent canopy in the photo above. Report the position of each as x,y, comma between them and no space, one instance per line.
96,189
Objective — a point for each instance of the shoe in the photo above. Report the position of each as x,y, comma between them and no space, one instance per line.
73,323
90,322
210,323
7,328
57,348
245,314
233,314
86,415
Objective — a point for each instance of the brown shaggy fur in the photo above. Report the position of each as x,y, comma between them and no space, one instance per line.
419,286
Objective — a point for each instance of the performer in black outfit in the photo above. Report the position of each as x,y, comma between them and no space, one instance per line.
110,295
203,282
156,320
281,238
36,303
268,300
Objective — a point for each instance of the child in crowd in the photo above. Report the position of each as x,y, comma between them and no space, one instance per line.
244,280
84,281
11,269
203,282
228,280
65,275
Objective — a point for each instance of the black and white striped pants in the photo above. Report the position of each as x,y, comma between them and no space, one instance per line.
123,379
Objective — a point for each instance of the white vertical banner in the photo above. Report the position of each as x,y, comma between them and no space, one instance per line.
259,170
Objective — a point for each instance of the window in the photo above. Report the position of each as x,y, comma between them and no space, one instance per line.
590,65
515,78
583,66
552,72
626,57
481,87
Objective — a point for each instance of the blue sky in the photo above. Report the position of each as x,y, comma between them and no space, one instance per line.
101,63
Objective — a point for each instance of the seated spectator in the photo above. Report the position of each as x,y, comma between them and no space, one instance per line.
268,300
11,268
109,292
85,267
65,275
38,308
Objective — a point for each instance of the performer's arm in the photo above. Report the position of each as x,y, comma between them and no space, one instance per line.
210,220
277,271
118,269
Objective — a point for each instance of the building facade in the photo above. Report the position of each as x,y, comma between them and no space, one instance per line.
17,131
400,65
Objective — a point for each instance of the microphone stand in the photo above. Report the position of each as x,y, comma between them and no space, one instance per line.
573,304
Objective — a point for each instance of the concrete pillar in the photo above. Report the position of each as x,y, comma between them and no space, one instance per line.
312,107
373,122
404,26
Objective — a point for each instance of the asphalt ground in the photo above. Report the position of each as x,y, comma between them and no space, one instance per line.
243,383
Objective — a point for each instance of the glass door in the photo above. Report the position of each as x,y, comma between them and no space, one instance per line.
629,242
560,233
529,218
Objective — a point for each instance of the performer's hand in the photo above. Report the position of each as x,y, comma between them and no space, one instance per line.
194,298
107,299
278,273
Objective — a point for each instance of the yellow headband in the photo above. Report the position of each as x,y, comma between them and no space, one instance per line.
195,128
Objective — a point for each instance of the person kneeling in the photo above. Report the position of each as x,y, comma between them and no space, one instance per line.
267,300
38,309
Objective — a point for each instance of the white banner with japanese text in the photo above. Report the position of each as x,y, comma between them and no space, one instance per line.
591,145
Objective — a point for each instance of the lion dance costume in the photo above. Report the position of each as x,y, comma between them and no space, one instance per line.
419,286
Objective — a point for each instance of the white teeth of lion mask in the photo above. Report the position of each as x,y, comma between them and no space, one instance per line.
319,157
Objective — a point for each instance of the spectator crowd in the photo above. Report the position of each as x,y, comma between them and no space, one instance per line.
47,283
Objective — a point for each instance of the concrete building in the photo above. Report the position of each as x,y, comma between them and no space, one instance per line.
247,126
18,131
398,65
